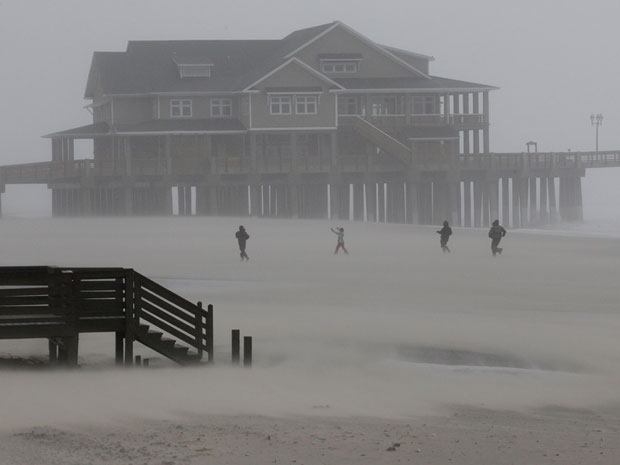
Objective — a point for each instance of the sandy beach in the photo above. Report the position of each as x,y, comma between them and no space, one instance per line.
396,353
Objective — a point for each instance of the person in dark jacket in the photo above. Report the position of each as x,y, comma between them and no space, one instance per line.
242,236
445,234
495,234
340,244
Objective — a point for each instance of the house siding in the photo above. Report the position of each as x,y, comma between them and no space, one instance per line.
293,75
132,110
338,40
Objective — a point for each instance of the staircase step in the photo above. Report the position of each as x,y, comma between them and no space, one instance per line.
167,342
181,349
155,334
144,328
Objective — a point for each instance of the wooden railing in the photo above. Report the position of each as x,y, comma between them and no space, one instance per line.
171,313
48,302
75,170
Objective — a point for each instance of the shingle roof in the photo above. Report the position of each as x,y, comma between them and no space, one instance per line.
83,132
149,67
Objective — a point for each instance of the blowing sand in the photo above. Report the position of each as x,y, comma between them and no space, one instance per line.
396,353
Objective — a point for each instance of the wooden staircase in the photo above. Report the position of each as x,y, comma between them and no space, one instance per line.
381,139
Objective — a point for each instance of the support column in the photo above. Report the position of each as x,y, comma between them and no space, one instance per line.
485,132
578,200
478,204
493,189
505,202
412,202
523,201
381,214
533,201
516,222
553,211
371,198
358,201
543,212
485,204
466,204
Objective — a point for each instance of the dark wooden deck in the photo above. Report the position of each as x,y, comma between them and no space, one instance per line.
61,303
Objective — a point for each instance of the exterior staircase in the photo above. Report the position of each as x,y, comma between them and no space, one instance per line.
381,139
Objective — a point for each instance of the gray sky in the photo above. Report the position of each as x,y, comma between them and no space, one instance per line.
555,61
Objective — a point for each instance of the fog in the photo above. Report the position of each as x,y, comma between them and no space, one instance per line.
394,329
555,63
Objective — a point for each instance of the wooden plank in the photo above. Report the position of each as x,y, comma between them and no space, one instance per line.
35,331
24,300
107,285
165,293
19,291
43,318
170,329
30,310
106,306
147,307
111,294
153,299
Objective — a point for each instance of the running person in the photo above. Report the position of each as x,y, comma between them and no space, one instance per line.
445,234
242,236
340,233
496,233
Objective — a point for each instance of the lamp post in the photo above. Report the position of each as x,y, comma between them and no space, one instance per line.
596,121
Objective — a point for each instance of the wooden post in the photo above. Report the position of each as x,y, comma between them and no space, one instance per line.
129,317
209,329
235,343
198,330
247,351
119,337
53,351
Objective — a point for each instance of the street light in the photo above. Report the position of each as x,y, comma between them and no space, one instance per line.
596,121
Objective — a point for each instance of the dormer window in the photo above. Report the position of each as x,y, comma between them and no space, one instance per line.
339,67
193,66
180,108
190,71
340,62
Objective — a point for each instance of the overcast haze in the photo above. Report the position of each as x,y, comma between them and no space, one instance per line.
555,62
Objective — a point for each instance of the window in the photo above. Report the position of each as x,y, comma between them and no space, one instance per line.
190,71
306,104
385,106
221,107
423,105
347,105
280,104
339,66
180,108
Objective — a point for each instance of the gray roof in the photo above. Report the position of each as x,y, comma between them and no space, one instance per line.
150,67
167,126
83,132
